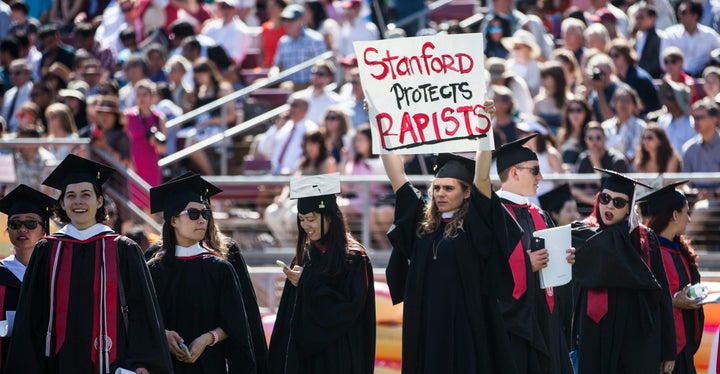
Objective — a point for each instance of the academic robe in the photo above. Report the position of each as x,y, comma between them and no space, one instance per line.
532,317
326,324
688,322
198,294
141,343
624,315
450,287
9,294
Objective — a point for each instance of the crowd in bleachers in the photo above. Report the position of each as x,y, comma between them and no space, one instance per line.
624,85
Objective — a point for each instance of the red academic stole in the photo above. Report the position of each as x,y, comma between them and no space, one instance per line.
517,257
104,336
674,283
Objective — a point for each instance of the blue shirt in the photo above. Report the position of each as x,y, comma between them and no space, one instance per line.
702,156
291,52
641,81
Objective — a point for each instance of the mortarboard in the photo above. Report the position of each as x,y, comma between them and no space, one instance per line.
663,198
449,165
513,153
617,182
553,200
24,199
171,197
75,169
315,193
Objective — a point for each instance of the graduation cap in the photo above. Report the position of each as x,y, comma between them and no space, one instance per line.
449,165
554,200
171,197
513,153
617,182
75,169
663,198
24,199
315,193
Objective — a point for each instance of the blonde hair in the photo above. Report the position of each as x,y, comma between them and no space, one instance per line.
64,114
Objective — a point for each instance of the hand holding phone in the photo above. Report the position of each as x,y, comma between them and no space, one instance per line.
537,243
281,264
185,349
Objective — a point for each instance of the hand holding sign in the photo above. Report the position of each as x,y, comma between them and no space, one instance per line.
425,94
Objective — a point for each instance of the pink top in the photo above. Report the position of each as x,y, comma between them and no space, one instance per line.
144,156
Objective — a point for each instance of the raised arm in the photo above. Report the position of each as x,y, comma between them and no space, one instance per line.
395,170
483,160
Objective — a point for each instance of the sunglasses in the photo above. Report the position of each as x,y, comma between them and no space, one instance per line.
534,170
618,202
194,214
494,29
575,110
320,73
15,224
594,138
332,117
671,61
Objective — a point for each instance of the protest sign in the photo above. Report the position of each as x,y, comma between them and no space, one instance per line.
425,94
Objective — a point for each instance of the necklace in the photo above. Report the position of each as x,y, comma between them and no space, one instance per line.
435,247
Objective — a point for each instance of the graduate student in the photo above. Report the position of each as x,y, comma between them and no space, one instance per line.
28,212
560,205
326,319
533,317
87,303
198,289
669,216
624,316
449,266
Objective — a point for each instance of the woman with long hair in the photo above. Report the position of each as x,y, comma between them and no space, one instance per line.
87,303
338,130
326,317
655,153
198,289
61,124
316,158
624,321
554,93
575,118
624,130
669,216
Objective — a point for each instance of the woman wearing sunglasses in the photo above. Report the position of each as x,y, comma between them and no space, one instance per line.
623,322
669,216
198,290
28,212
87,302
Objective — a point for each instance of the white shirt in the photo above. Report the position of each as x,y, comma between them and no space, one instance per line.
625,140
515,198
318,105
679,130
234,36
272,144
16,267
696,48
192,250
358,30
74,232
23,95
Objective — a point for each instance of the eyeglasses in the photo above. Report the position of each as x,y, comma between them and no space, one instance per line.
594,138
534,170
15,224
332,117
575,110
320,73
618,202
194,214
671,61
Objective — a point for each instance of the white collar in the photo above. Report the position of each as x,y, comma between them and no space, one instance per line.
448,215
192,250
16,267
515,198
74,232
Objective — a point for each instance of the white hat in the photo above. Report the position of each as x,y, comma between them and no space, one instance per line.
315,192
522,37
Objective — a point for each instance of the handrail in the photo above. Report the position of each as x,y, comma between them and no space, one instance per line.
404,21
44,141
247,90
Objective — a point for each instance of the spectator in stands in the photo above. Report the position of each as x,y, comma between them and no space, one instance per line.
5,12
176,69
111,137
61,125
523,60
316,158
576,116
229,30
696,41
58,75
92,74
63,13
702,152
655,153
497,29
135,68
598,7
194,12
505,112
282,143
85,39
42,95
358,115
676,120
573,33
318,95
500,77
338,133
22,22
673,59
711,86
29,52
597,37
155,56
180,30
553,94
316,18
128,47
272,30
75,98
663,9
506,10
354,28
20,77
573,73
297,45
9,52
543,144
648,39
629,72
596,155
534,25
32,162
28,116
53,49
624,130
560,205
605,17
603,81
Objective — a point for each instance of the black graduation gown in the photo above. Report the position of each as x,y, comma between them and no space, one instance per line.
688,322
451,319
536,332
325,325
637,332
141,344
9,294
196,295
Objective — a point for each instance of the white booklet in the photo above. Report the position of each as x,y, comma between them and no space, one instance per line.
711,298
558,271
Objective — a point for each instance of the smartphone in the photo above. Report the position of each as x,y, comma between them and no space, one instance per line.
185,349
280,263
537,244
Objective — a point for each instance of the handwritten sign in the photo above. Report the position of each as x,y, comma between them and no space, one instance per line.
425,94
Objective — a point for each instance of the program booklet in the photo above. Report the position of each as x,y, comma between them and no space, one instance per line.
558,271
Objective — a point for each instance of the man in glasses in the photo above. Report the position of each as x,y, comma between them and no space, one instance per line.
676,120
28,212
533,316
696,41
597,154
319,97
